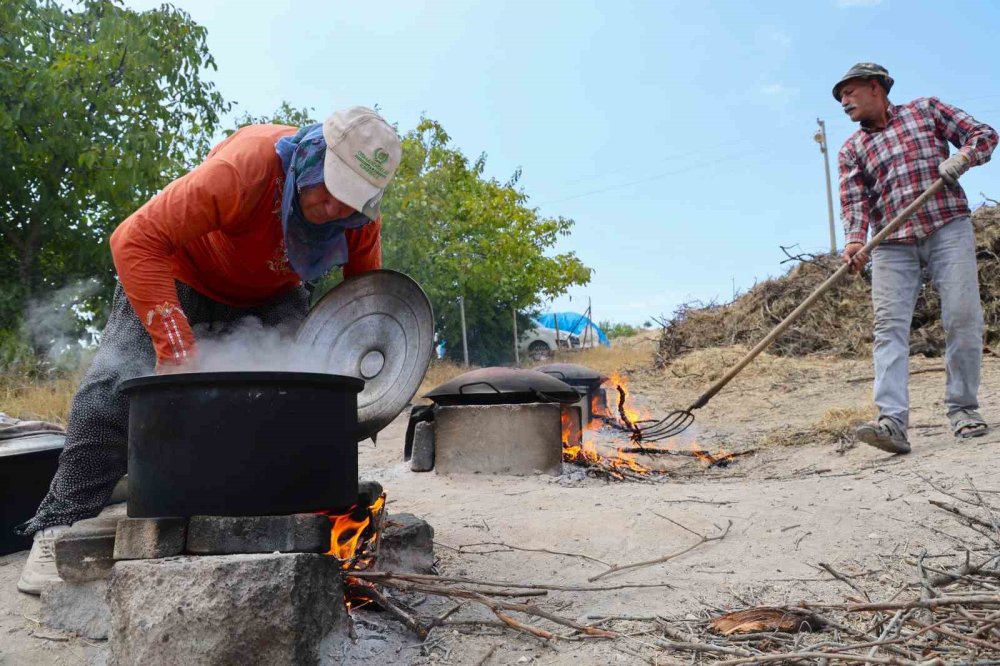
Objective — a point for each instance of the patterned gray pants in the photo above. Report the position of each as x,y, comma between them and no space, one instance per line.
95,454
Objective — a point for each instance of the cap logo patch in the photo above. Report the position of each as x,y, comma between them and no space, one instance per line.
373,165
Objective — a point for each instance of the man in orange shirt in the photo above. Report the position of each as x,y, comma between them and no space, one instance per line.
270,208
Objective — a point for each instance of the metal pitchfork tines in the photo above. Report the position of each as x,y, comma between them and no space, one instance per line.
678,421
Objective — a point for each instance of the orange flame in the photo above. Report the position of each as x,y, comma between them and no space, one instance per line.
721,457
577,450
351,529
617,380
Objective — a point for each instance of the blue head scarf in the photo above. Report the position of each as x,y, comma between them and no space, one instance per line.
312,249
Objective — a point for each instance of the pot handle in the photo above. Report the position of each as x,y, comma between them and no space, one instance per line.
461,389
552,398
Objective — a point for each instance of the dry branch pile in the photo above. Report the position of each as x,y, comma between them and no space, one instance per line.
840,323
941,614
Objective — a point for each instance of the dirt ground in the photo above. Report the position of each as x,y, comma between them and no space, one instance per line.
792,507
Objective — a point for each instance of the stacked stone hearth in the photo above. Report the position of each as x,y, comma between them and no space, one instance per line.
506,439
215,590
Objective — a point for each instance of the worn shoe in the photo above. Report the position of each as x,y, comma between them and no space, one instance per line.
967,423
40,569
884,434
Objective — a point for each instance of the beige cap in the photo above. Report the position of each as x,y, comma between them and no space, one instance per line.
362,153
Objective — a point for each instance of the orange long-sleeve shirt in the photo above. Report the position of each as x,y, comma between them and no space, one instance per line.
217,229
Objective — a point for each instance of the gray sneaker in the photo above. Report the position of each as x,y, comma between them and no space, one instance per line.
884,434
40,569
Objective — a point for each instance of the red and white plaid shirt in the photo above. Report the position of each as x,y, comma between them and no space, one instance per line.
883,171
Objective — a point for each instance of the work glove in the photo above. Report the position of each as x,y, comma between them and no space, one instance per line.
953,167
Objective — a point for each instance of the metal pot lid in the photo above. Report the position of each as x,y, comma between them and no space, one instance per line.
31,444
379,327
574,374
502,386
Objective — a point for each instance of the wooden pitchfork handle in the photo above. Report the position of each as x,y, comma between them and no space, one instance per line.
822,289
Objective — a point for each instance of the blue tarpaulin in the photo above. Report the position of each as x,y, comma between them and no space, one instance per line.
572,322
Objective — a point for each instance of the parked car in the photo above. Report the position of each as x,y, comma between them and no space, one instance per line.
539,342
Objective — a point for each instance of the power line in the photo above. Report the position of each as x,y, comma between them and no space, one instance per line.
725,158
729,158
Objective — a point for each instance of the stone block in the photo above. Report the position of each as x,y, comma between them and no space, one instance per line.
85,551
498,439
224,535
78,607
407,545
150,538
368,492
422,455
232,609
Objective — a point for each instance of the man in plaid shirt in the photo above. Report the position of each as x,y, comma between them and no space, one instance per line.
899,151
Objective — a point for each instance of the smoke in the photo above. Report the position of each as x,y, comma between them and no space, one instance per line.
248,345
58,324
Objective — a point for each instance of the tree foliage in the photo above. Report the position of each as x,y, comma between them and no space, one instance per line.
286,114
460,234
100,106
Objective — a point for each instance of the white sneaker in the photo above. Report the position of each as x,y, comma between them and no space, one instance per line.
40,569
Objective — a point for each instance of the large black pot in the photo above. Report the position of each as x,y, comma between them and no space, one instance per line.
241,443
27,465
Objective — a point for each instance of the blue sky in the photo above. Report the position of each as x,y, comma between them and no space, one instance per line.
678,135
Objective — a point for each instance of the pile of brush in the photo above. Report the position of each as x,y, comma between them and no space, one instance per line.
840,322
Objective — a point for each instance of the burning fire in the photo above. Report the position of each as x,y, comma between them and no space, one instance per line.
354,541
355,535
619,382
585,452
613,411
721,458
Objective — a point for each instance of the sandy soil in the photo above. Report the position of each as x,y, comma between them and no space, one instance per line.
791,507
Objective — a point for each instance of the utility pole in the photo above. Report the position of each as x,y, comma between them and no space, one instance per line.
465,340
820,138
517,356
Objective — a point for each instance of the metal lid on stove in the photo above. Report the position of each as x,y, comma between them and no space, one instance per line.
574,374
379,327
493,386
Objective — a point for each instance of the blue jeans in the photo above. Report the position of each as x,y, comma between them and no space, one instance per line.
949,256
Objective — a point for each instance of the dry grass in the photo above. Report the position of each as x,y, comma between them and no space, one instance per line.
438,372
33,399
704,366
836,427
626,354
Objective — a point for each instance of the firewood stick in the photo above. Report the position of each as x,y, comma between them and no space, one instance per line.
836,574
968,519
486,657
514,624
462,548
397,609
390,575
789,657
957,600
494,605
665,558
957,636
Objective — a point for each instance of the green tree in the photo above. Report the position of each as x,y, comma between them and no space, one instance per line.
286,114
461,234
617,329
100,106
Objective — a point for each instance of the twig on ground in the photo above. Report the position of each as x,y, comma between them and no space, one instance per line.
843,579
489,653
666,558
464,549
